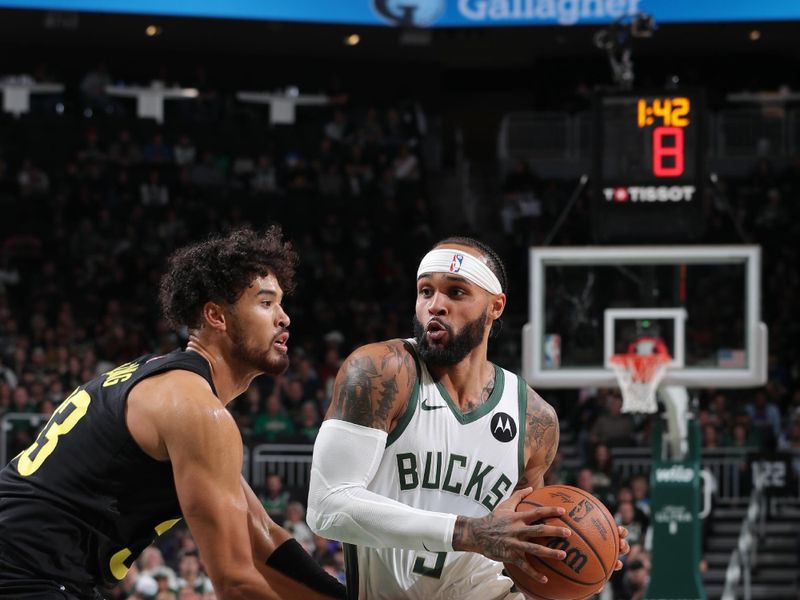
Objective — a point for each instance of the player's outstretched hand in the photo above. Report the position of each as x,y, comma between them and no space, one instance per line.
624,546
505,535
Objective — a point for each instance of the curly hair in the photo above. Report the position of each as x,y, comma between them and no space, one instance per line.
220,268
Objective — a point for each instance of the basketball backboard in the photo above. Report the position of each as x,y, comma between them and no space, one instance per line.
587,303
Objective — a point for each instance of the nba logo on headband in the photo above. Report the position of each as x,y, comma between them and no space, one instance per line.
450,260
455,264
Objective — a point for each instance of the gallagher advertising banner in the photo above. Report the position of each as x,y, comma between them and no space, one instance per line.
440,13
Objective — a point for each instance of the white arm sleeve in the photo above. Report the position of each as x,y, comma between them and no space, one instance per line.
346,458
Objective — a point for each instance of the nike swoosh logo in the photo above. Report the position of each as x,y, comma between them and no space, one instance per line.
426,406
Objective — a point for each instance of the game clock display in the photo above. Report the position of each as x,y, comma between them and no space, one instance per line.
668,143
649,152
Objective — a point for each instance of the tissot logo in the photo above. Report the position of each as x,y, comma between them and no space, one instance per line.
649,193
504,429
410,13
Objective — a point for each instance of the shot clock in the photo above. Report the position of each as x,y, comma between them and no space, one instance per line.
648,165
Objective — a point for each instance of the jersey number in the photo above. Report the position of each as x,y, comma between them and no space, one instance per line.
64,418
435,571
121,562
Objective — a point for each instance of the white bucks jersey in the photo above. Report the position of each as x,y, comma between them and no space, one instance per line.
440,459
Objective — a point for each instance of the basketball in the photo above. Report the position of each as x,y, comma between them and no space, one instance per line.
592,549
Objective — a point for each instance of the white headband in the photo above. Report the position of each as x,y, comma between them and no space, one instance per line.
448,260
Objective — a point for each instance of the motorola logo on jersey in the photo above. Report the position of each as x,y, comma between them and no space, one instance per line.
649,193
504,429
410,13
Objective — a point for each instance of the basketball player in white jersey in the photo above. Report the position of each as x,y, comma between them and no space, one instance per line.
416,465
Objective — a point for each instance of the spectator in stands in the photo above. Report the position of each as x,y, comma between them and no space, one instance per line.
711,437
309,423
153,193
207,173
248,407
32,180
613,428
719,414
623,494
306,374
635,580
124,151
338,129
406,165
264,179
640,486
7,375
323,549
184,151
741,438
275,498
295,524
330,367
636,524
294,396
584,480
603,479
191,576
557,474
165,584
157,152
765,417
91,151
273,424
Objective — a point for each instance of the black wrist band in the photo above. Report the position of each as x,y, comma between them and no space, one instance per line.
292,560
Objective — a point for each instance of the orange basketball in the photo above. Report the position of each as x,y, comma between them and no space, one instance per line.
592,549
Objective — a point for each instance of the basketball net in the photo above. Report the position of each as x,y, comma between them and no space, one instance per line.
639,372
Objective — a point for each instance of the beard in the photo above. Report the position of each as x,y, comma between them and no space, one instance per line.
256,357
457,346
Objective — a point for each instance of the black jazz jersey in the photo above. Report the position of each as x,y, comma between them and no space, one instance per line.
81,503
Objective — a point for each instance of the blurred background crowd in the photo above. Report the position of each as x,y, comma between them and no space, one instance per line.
92,200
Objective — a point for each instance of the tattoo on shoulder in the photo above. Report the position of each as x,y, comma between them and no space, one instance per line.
485,393
369,385
542,426
488,388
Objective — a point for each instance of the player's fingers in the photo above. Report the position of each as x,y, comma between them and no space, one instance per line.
523,564
540,530
543,551
540,512
623,532
537,549
624,547
518,496
618,566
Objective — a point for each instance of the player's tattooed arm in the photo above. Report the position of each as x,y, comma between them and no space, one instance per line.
374,385
541,440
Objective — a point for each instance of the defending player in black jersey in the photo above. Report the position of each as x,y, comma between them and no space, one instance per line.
129,453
